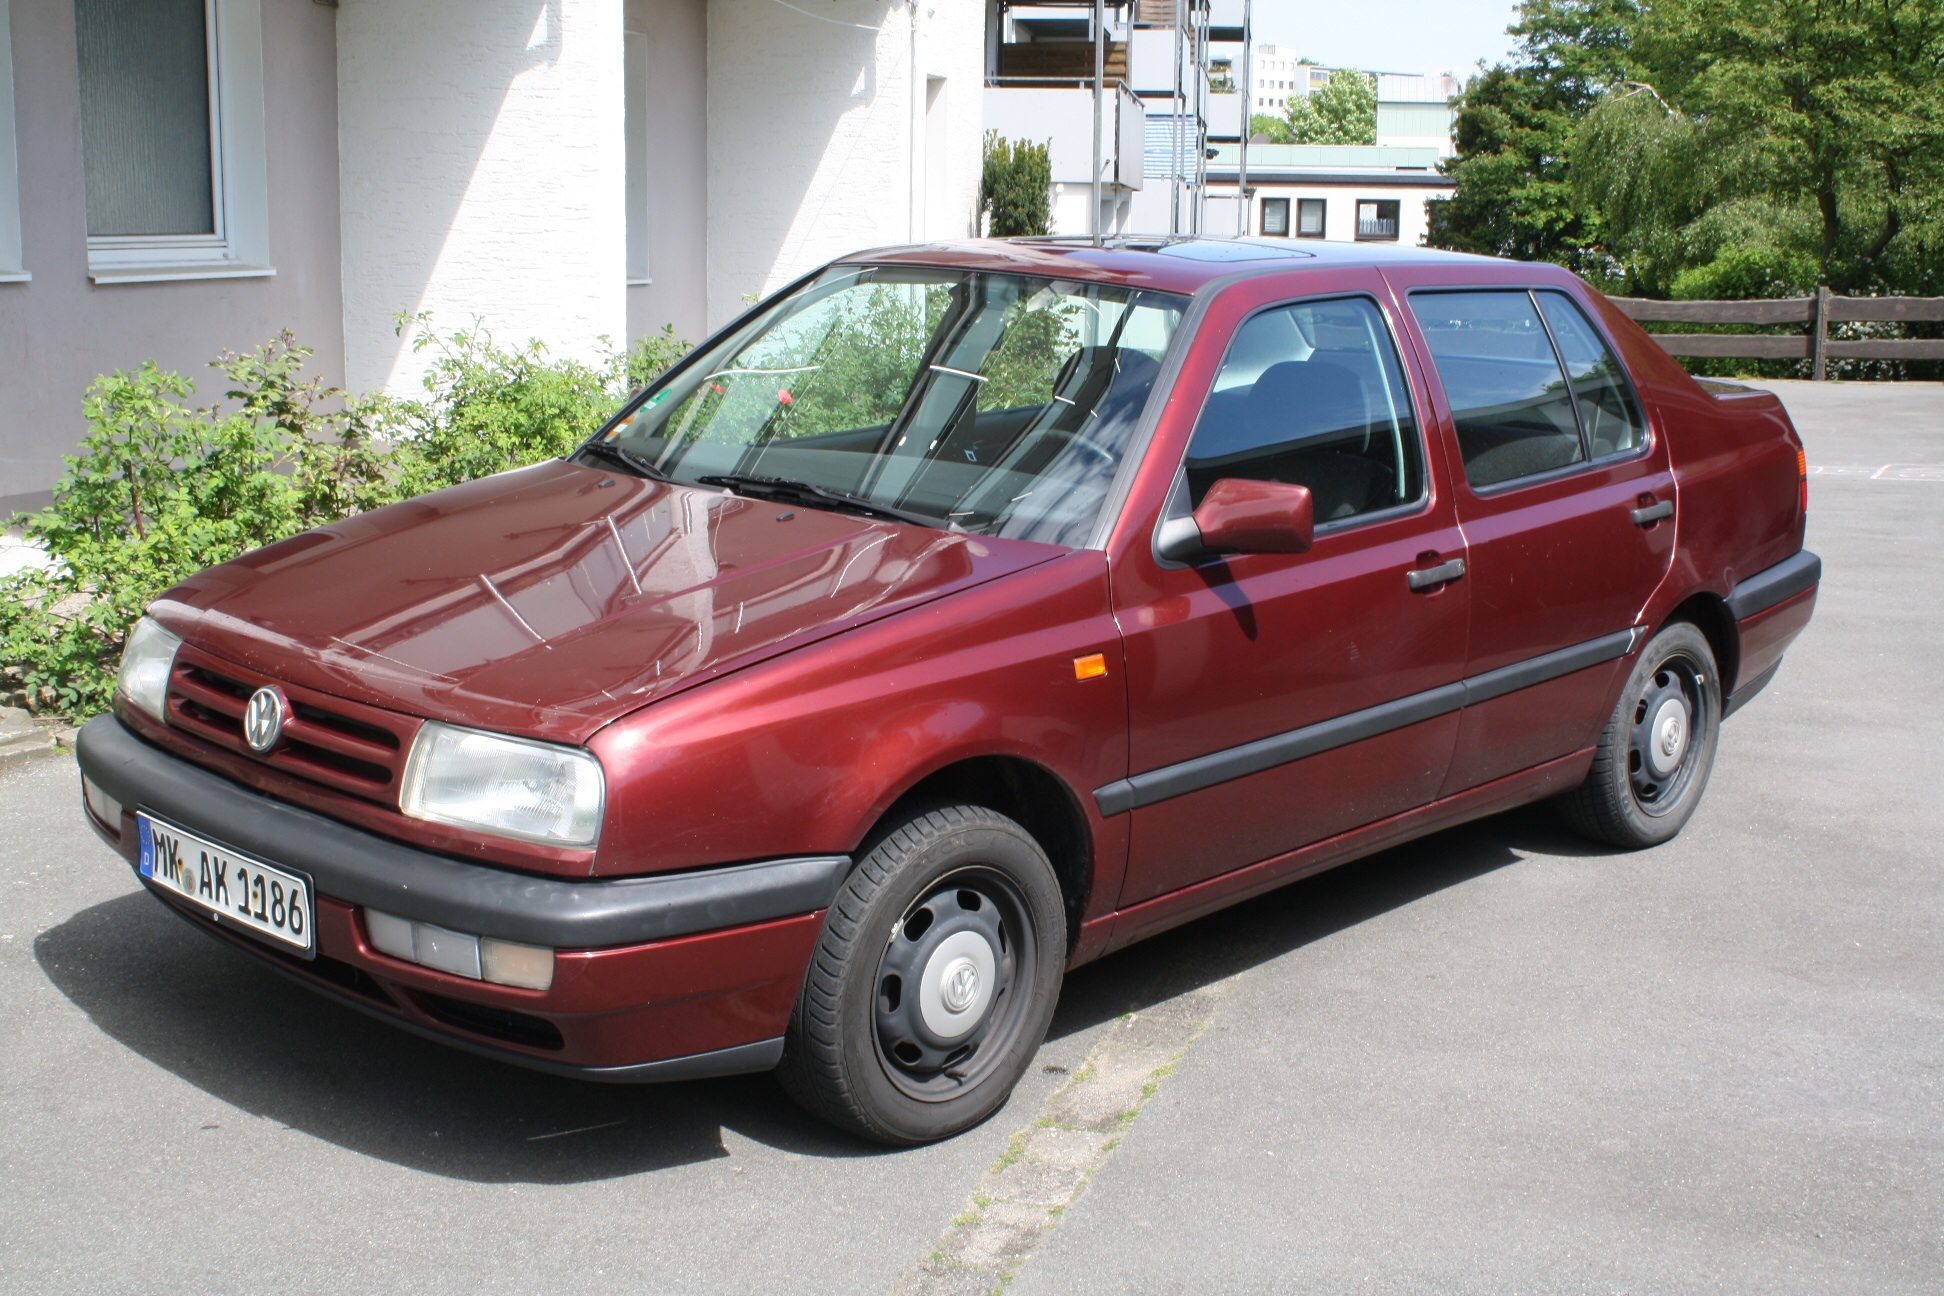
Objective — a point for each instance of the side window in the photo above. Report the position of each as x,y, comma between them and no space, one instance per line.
1312,395
1606,405
1508,397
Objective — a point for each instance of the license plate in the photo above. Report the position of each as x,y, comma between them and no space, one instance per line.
262,899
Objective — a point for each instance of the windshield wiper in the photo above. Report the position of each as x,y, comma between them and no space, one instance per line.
791,491
627,458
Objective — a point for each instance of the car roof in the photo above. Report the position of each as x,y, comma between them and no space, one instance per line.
1165,262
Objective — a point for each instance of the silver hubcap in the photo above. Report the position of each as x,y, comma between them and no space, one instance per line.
956,986
1669,737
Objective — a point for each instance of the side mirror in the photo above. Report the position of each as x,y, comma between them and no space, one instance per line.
1242,516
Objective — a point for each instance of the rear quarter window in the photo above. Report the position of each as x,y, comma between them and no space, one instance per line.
1501,375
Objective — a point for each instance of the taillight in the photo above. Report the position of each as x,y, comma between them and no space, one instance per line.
1802,478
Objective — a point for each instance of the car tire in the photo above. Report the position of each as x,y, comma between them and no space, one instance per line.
933,981
1653,758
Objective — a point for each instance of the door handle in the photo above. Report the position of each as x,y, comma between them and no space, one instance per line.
1425,578
1646,517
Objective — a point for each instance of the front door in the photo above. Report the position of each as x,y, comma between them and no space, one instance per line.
1279,699
1566,502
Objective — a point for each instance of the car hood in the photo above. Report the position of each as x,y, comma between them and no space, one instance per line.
552,600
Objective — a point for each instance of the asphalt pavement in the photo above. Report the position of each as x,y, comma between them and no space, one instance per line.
1496,1060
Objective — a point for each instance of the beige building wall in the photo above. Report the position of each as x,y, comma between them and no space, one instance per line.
60,329
469,157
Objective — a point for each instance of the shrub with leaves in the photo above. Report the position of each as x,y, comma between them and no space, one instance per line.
162,489
1016,187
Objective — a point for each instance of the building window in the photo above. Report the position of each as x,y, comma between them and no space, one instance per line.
1275,217
1309,217
12,268
634,131
172,146
1377,218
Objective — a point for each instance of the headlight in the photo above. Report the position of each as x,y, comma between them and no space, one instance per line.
534,791
146,659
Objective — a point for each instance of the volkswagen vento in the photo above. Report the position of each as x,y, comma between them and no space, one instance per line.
959,615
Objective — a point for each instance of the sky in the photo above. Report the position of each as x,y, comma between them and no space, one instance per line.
1390,35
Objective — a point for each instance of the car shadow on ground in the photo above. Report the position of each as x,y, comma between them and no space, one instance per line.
255,1040
1281,921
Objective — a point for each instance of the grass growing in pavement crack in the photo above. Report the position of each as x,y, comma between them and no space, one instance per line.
1048,1164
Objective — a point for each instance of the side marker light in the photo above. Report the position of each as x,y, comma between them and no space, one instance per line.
1092,666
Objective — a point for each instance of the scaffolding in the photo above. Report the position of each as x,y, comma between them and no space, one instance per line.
1072,42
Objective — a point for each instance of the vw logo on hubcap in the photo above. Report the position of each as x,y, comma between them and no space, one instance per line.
263,720
961,986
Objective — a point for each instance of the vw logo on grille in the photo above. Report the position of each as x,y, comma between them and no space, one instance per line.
263,720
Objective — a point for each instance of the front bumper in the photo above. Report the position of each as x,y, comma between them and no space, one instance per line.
655,978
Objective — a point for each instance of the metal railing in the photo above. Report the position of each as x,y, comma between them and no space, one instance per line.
1816,313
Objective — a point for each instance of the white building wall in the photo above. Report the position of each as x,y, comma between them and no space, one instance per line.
1278,74
818,137
677,168
1340,207
482,173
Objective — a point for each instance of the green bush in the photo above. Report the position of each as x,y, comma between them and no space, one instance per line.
162,489
1747,273
1016,187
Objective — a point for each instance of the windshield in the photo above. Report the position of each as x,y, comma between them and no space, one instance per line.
989,403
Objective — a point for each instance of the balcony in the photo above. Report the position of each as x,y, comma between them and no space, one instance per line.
1059,61
1225,116
1061,113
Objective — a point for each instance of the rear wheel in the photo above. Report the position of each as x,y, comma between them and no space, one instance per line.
1654,757
933,981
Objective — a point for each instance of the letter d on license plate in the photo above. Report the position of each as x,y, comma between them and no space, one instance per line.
267,901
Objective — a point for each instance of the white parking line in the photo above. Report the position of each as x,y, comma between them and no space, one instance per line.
1881,472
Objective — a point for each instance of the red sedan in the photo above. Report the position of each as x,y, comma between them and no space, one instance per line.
957,616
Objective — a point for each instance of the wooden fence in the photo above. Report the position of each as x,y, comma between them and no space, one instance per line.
1817,313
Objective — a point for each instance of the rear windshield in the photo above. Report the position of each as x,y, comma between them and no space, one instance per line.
990,403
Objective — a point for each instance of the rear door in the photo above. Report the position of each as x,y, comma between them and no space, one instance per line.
1566,501
1278,699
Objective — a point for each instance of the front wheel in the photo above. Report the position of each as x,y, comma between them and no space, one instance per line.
1654,756
933,981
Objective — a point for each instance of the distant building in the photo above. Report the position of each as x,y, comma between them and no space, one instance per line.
1280,72
1365,193
1413,111
1165,104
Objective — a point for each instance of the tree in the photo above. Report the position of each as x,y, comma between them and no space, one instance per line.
1783,141
1271,130
1515,195
1711,147
1343,111
1015,186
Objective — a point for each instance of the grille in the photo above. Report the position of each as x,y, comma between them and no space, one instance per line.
340,744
